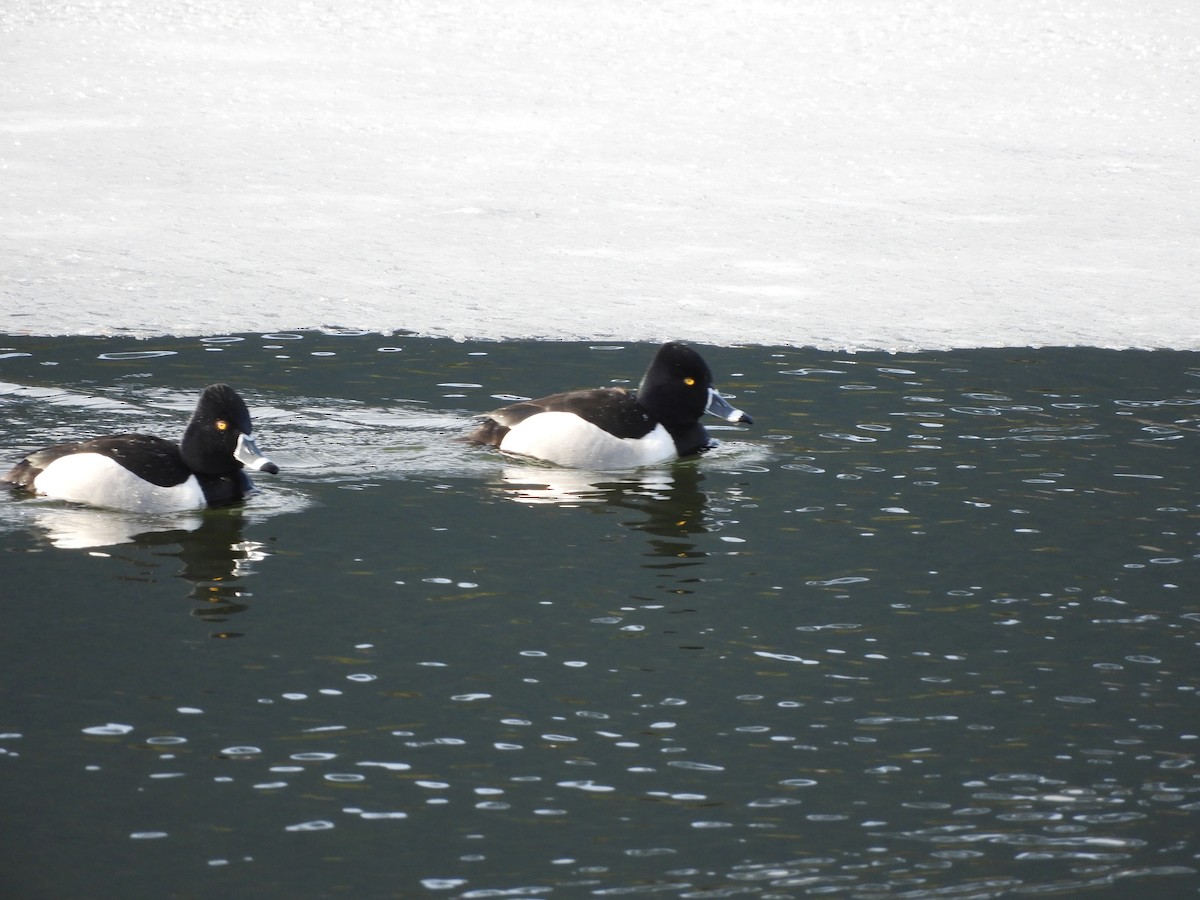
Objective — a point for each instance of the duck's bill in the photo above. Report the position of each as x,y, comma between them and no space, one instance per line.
718,406
248,454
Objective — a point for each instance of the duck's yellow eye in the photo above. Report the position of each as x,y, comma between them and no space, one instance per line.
222,424
689,381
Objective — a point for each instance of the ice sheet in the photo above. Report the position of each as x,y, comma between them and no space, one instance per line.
869,174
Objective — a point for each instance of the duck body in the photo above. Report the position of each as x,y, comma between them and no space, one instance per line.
144,473
612,428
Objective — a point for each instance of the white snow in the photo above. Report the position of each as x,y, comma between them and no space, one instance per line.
840,173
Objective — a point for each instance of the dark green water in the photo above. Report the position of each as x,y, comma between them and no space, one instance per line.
928,629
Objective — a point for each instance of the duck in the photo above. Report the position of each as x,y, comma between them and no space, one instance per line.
144,473
611,428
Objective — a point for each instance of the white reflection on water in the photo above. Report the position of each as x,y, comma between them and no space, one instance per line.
71,528
536,484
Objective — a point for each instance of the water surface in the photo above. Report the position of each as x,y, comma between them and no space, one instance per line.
928,628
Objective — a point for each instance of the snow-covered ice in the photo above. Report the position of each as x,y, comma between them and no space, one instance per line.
853,174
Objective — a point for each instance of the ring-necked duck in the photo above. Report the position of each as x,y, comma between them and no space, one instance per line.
149,474
610,428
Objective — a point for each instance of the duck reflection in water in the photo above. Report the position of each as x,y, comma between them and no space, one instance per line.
671,500
213,555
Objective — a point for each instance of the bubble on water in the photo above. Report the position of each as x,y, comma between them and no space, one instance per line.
389,766
112,728
651,851
590,786
240,751
374,816
696,766
786,657
773,802
136,354
314,825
